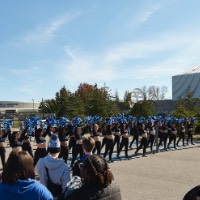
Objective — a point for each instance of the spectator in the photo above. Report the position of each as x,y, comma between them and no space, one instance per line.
97,182
56,168
18,179
88,146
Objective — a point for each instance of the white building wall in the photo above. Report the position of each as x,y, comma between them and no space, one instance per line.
19,106
181,82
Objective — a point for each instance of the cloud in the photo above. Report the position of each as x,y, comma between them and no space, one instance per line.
156,59
45,32
144,13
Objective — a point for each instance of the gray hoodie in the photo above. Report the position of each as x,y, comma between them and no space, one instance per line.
58,170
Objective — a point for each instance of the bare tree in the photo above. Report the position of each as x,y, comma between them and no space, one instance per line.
163,92
157,93
144,92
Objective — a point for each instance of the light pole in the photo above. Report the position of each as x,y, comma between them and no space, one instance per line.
33,104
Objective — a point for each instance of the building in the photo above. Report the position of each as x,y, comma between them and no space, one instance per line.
181,82
16,106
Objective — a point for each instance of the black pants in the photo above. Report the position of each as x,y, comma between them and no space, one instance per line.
172,138
190,136
163,139
135,138
151,141
109,148
117,141
39,153
78,149
64,153
27,147
97,147
143,144
72,143
103,142
124,143
3,156
182,136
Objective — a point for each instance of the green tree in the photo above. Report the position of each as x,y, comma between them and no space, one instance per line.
142,109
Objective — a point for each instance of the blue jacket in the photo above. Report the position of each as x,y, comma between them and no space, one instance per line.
23,190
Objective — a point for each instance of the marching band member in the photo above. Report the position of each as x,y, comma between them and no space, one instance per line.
63,135
143,142
190,128
117,135
164,130
135,129
109,146
173,135
124,141
152,133
182,134
3,135
78,148
41,150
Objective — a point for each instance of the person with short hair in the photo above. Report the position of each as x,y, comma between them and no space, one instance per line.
18,179
97,182
88,146
53,166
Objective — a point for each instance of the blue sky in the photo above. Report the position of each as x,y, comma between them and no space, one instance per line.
125,44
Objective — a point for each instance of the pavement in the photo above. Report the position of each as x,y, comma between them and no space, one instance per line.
166,175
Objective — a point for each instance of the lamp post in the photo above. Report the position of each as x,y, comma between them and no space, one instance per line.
33,104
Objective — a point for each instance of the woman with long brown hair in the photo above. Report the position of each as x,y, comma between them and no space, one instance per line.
18,179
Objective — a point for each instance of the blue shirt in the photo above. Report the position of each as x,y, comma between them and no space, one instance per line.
23,190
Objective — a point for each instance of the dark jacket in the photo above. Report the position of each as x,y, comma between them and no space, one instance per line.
193,194
86,192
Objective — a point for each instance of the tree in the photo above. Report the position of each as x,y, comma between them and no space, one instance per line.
186,106
62,102
127,99
142,109
157,93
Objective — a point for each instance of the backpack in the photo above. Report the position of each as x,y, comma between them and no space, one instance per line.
54,188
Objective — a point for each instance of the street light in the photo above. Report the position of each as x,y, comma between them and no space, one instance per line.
33,104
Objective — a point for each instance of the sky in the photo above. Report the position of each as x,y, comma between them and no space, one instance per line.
124,44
